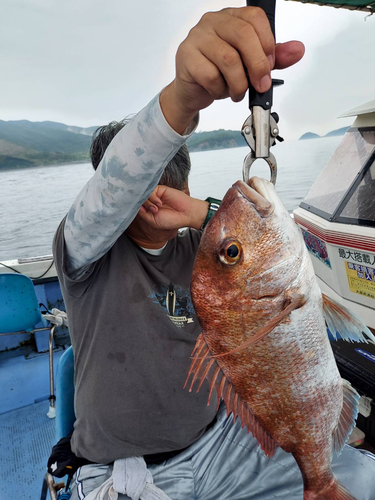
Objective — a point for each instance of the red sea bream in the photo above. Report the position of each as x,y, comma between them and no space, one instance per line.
264,346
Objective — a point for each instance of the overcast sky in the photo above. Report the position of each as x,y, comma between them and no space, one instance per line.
87,62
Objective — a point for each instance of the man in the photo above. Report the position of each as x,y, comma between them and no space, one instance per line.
125,277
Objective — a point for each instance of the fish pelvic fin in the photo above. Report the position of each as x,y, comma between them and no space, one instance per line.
206,367
348,417
343,323
335,491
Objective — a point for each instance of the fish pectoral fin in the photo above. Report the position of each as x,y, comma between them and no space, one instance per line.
343,323
348,416
292,302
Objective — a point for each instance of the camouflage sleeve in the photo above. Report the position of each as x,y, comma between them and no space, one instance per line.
125,178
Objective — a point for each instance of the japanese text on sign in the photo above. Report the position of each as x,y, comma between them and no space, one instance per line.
357,256
361,279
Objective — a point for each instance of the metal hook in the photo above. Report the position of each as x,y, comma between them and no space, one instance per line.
250,159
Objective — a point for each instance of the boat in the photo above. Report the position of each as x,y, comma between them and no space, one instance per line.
337,222
337,218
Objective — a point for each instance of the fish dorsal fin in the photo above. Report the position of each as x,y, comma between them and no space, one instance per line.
204,367
343,323
348,416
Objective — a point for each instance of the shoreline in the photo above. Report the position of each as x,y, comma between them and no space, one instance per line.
76,162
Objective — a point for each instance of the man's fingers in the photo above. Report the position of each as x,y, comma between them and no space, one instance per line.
288,53
152,204
243,38
228,73
206,74
155,198
214,60
150,207
256,17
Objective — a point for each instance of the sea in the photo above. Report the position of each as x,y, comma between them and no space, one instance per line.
33,201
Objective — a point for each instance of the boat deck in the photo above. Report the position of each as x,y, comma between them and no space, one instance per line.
26,433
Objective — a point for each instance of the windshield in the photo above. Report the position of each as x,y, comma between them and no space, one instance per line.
350,164
361,204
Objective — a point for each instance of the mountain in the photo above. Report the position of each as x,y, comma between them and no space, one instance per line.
29,144
333,133
309,135
339,131
215,139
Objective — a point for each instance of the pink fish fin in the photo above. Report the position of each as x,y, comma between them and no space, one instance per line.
293,302
201,364
206,367
348,416
335,491
343,323
236,405
200,346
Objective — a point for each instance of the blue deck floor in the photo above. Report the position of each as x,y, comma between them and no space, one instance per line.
26,436
26,433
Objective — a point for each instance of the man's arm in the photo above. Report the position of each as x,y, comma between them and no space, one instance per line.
128,173
210,64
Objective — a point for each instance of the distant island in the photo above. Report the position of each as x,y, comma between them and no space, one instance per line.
26,144
333,133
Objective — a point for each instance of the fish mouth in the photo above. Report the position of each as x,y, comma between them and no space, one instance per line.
259,194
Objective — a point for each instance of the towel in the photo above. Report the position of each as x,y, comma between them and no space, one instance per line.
130,477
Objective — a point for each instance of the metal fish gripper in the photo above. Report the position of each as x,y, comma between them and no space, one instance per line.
260,129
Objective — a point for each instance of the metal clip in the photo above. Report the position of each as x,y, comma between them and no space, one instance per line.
249,160
260,131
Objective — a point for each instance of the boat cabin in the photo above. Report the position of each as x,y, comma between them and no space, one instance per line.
337,218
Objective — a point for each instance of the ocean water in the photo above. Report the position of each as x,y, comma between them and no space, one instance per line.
34,201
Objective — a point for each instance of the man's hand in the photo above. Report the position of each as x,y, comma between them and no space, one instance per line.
211,62
169,208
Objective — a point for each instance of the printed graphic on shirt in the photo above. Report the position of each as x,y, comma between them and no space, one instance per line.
176,302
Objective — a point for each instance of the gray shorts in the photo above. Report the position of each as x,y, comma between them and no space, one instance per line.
227,464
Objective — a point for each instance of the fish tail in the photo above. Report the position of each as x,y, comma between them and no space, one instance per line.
335,491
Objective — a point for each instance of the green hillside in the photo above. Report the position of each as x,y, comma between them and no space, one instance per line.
216,139
27,144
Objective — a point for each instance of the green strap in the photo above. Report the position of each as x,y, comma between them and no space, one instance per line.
213,207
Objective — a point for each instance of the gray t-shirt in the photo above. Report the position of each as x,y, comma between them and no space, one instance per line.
133,329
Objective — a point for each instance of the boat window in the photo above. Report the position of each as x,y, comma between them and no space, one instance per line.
341,171
361,204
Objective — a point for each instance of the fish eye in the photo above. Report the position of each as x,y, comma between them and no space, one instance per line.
230,252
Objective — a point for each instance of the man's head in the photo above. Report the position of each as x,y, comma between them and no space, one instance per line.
175,176
176,172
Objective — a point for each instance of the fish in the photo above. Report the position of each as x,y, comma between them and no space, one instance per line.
264,346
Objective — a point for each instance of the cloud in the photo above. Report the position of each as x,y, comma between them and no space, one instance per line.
337,74
89,62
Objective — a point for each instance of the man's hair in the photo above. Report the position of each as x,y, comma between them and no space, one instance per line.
175,174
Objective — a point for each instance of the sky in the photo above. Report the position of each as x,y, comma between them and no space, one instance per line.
88,62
